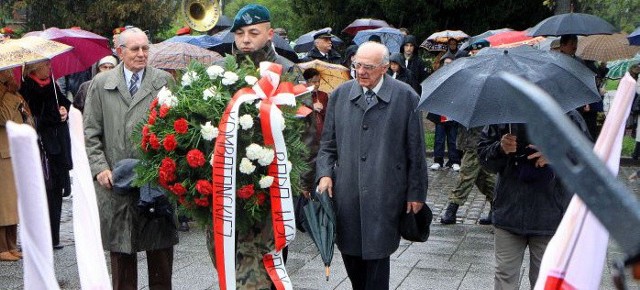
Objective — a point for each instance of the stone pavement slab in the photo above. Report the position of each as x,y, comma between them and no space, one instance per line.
456,256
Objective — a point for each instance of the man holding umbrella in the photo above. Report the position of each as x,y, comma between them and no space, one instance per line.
372,149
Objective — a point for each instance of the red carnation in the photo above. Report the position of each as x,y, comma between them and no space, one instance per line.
153,104
181,126
204,187
202,201
178,189
152,117
195,158
167,171
261,197
154,142
145,144
246,191
145,131
164,110
170,143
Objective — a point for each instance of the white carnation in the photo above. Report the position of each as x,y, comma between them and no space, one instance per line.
215,71
170,101
163,94
251,80
254,151
266,156
211,93
229,78
208,132
189,77
246,166
246,122
266,181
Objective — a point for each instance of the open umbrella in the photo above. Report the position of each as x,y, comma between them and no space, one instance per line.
572,24
203,41
508,37
320,223
606,47
468,92
634,37
89,48
445,35
227,38
364,23
304,43
178,55
392,38
28,50
482,36
331,75
618,68
223,22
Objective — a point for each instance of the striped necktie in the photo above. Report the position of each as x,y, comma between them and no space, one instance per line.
369,96
133,84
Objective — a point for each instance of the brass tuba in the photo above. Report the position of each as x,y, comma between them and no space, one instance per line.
201,15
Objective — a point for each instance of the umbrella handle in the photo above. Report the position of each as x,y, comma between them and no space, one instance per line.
326,272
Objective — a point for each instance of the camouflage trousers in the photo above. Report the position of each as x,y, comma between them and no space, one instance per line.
472,173
250,247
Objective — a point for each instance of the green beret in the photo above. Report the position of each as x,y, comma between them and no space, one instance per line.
250,15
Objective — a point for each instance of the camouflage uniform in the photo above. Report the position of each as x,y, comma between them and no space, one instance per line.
250,247
470,170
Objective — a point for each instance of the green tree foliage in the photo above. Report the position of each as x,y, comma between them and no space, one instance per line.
101,16
282,13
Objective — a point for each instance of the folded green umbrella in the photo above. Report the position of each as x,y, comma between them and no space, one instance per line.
320,224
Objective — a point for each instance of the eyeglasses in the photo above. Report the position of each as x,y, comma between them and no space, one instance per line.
367,67
144,48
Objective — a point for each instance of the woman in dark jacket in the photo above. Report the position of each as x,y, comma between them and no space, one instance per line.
399,71
49,108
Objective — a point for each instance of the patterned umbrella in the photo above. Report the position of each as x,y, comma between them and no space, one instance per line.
606,47
178,55
392,38
29,49
618,68
331,75
89,48
444,36
364,23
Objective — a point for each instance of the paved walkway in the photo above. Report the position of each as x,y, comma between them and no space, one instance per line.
455,257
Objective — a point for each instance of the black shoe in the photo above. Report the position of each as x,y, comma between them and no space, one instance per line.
58,247
487,220
449,216
184,227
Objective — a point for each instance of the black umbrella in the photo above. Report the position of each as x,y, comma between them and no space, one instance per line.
223,22
227,38
572,24
320,223
304,43
468,92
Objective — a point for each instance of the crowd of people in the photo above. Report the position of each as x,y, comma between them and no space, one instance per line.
366,143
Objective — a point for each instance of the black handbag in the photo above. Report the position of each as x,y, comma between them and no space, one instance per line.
415,227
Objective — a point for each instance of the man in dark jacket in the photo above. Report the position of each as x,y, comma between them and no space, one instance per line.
372,149
529,199
323,48
412,60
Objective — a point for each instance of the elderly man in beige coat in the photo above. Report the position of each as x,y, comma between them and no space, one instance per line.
117,101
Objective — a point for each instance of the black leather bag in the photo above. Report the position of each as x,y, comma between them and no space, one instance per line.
416,227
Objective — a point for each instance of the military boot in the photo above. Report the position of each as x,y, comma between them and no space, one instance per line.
449,216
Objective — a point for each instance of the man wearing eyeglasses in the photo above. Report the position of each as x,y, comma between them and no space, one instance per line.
372,163
117,101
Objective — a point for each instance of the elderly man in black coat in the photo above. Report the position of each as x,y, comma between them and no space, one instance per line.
372,162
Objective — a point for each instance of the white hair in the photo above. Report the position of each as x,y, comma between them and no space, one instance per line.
122,37
378,47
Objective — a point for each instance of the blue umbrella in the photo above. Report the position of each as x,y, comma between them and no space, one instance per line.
204,41
634,37
390,37
304,43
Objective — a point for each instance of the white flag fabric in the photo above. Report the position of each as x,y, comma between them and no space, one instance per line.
575,256
92,265
35,230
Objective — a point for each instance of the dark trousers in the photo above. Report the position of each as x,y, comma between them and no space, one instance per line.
124,269
54,200
367,274
446,133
